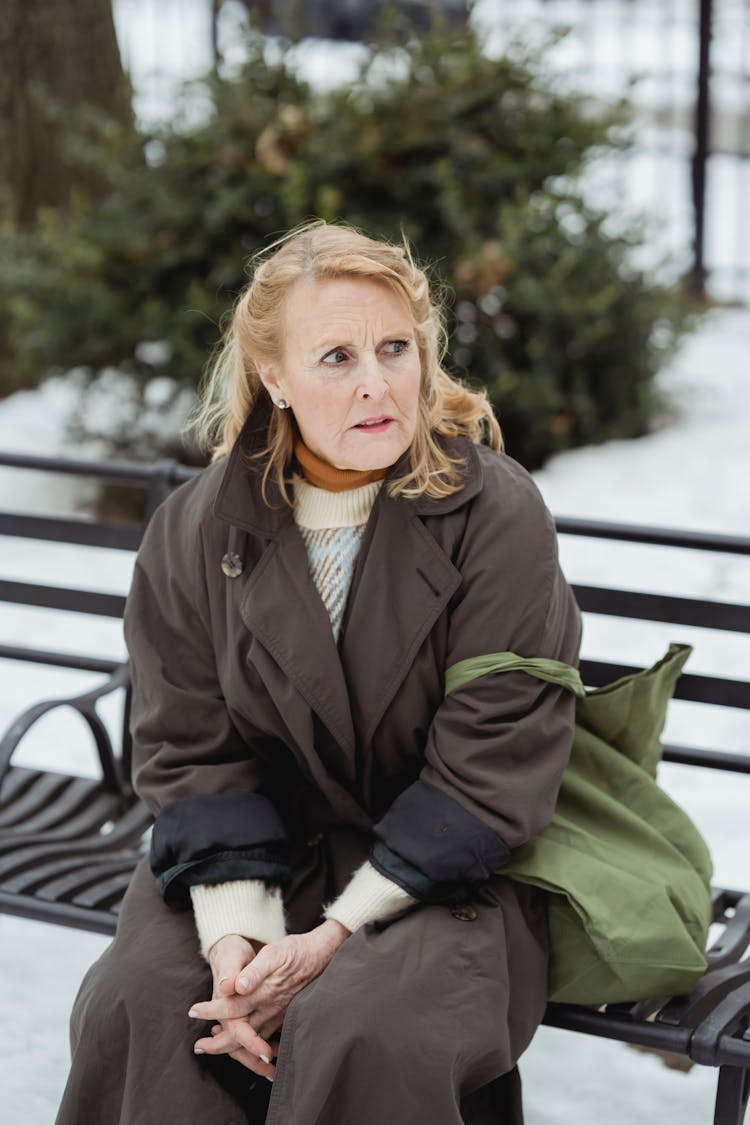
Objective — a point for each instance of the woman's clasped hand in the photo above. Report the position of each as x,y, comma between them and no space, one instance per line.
252,991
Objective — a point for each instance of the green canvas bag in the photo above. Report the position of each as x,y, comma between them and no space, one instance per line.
626,869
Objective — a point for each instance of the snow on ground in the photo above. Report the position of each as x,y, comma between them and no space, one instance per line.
692,473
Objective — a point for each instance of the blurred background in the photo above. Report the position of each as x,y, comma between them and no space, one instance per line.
577,170
576,175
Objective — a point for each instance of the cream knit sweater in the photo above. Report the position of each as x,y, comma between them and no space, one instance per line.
332,525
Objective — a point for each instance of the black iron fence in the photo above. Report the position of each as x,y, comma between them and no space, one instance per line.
685,65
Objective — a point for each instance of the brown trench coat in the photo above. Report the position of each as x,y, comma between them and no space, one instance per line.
239,685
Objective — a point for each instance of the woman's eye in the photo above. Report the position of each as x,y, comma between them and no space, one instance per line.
338,354
400,346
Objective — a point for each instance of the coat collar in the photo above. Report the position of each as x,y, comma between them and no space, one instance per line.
239,500
402,581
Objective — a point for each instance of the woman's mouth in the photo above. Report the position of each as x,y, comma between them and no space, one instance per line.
374,425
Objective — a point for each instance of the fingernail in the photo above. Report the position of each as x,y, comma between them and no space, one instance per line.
198,1051
264,1058
193,1014
243,982
222,979
269,1079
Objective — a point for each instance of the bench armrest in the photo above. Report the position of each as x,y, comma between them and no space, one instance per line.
85,704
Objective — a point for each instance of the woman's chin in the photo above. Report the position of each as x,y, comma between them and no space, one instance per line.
376,451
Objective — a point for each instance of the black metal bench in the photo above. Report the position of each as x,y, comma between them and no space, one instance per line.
68,845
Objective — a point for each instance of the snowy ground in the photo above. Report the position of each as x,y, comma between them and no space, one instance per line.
692,473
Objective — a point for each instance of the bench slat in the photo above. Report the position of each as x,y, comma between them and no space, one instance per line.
65,875
103,894
63,888
59,659
642,606
47,787
103,809
689,1011
84,533
609,1025
62,913
15,782
721,691
711,759
62,597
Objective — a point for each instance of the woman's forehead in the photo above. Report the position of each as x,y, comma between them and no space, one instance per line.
316,306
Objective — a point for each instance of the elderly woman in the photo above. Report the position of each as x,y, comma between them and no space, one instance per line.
325,905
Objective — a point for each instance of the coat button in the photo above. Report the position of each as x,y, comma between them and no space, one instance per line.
231,564
316,839
465,913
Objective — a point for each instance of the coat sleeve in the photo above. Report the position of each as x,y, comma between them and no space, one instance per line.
497,747
191,767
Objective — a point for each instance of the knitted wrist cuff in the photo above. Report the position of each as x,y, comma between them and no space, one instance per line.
368,895
248,907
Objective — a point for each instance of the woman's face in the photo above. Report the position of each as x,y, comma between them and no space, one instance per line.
350,371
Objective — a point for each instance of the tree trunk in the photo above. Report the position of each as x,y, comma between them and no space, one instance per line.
61,52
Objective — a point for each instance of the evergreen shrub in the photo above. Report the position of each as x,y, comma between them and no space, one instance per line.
478,160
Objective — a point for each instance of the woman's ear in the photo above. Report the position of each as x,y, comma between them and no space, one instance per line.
269,379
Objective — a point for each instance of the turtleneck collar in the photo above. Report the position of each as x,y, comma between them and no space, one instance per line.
319,473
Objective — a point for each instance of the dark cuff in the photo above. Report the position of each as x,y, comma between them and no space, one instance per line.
432,833
215,838
414,881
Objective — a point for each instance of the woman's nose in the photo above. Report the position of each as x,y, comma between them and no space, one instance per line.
372,379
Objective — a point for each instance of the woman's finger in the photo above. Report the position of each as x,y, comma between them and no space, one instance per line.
227,956
267,1021
271,958
220,1044
241,1055
222,1008
224,1043
234,1034
246,1036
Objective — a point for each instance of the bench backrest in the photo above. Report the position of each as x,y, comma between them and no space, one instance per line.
719,616
158,479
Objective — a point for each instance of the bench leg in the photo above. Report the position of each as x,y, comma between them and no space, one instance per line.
731,1095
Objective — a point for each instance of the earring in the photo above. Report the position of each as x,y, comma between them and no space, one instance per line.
282,404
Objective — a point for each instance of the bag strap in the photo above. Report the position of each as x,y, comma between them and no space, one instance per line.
554,671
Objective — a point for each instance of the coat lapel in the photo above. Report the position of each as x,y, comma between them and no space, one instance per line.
284,610
401,584
281,606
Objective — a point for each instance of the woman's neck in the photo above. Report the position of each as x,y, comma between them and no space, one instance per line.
319,473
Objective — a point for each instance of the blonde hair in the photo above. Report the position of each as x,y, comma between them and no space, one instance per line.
318,251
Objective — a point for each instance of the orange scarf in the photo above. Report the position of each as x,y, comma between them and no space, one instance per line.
319,473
